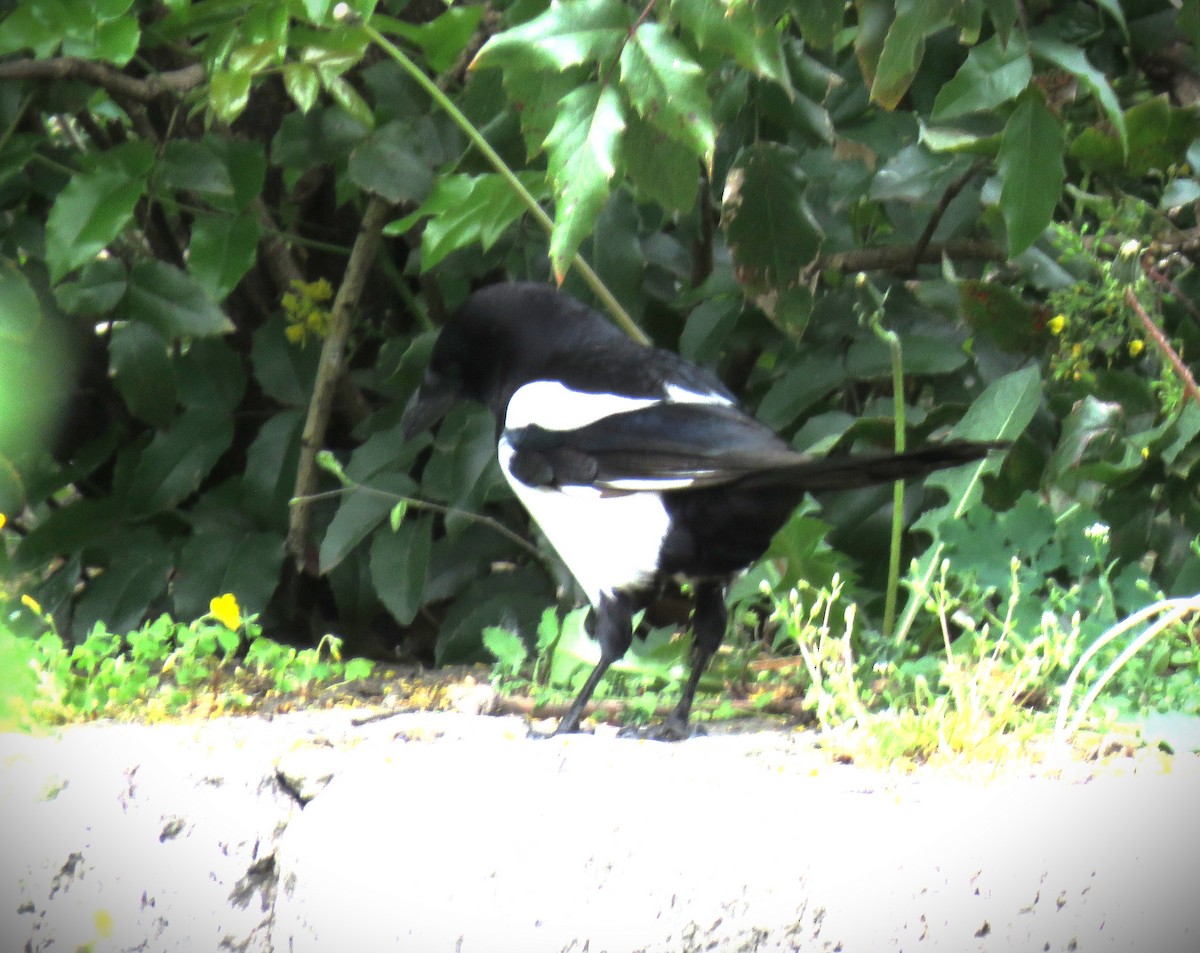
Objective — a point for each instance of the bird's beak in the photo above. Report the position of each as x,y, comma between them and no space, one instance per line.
429,404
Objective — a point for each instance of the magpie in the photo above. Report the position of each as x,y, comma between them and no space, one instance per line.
637,465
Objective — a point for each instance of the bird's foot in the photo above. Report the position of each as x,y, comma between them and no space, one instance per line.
672,729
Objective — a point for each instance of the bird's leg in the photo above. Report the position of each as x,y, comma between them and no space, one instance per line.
708,631
614,632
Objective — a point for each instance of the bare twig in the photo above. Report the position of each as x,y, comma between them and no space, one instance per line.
1164,346
948,196
329,372
176,82
901,256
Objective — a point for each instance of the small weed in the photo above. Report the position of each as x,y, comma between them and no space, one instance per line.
165,668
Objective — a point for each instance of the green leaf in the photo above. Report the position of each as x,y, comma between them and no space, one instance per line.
1075,61
142,372
285,371
172,467
771,232
583,150
567,34
507,648
1159,136
442,39
904,46
1001,412
120,596
303,84
388,163
399,565
736,30
820,21
1031,168
535,97
245,562
228,93
222,250
463,209
117,40
270,476
195,167
175,304
666,88
346,96
211,376
991,75
93,209
360,514
662,170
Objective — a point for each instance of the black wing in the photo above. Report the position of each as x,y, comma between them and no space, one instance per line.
664,446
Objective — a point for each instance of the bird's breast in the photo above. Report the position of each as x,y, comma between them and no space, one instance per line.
609,541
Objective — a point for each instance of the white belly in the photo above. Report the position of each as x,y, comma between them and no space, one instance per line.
607,542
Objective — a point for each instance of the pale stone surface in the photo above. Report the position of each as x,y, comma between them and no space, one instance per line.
431,832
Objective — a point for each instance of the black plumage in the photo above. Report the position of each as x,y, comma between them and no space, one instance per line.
636,464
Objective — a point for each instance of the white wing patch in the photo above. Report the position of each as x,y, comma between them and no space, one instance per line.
608,542
552,405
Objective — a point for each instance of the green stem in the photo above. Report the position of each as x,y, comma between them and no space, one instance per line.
898,418
593,280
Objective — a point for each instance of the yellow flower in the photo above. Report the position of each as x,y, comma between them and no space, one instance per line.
3,520
296,333
1145,453
1136,346
1057,323
319,290
225,610
31,604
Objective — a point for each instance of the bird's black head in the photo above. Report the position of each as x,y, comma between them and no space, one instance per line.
503,336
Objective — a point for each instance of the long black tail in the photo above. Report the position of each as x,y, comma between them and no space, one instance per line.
848,473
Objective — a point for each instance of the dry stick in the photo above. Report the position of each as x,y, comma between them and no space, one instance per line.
177,82
329,372
1164,346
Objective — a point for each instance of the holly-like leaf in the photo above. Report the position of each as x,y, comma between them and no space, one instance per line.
567,34
661,169
737,31
666,88
1032,170
463,209
583,151
771,231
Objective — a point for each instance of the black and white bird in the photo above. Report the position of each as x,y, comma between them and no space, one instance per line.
637,465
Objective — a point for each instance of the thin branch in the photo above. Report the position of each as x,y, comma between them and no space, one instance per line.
145,90
329,372
948,196
891,257
418,504
1164,346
